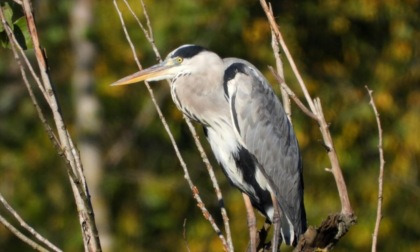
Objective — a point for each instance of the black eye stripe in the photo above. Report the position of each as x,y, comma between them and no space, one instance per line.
189,51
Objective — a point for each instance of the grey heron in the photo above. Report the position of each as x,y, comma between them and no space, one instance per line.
248,131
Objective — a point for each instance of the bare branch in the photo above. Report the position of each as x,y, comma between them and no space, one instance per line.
335,166
149,36
214,182
291,94
148,33
26,226
381,172
21,236
133,49
149,26
280,73
41,116
80,190
63,143
289,57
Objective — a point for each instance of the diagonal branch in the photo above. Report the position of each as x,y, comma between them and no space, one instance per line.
26,226
291,94
280,73
275,29
21,236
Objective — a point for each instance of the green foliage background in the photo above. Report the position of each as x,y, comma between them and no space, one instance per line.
339,46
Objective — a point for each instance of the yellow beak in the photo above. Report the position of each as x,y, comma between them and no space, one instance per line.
164,70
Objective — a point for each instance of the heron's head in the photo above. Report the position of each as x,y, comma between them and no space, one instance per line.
185,60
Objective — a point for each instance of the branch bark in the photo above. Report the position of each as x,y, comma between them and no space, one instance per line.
336,225
28,228
62,141
21,236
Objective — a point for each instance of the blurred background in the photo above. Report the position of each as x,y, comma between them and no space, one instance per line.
140,197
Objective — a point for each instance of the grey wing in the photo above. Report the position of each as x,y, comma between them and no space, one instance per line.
262,125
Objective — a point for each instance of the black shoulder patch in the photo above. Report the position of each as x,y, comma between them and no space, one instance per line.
230,74
188,51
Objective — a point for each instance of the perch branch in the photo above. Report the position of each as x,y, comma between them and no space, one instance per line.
381,173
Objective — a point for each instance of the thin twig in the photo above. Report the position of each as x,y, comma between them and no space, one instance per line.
213,179
26,226
184,234
41,116
79,186
148,33
280,73
289,57
21,236
149,26
381,172
149,36
193,188
28,64
133,49
291,94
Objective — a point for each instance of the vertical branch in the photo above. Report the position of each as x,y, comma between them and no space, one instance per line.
280,73
381,173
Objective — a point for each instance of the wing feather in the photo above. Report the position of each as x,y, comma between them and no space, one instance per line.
263,128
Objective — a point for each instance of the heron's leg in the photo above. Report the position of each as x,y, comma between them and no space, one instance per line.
251,223
276,223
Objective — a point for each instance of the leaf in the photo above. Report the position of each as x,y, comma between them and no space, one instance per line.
22,33
8,13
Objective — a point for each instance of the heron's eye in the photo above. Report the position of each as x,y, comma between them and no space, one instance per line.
179,60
